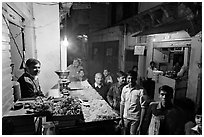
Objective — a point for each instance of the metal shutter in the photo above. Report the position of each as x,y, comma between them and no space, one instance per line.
7,90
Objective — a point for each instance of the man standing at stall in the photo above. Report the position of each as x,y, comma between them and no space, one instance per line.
29,82
165,118
99,86
133,100
114,93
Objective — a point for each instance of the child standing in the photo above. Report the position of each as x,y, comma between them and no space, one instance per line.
108,80
132,102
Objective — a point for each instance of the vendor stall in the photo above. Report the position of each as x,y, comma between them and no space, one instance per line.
171,52
83,111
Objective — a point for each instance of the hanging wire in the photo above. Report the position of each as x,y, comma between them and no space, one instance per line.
13,38
52,3
18,34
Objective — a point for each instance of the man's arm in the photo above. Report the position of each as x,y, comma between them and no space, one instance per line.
148,115
121,114
27,87
143,102
144,105
110,96
122,106
69,67
40,93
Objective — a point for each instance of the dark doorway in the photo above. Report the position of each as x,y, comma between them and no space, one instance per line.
178,57
104,55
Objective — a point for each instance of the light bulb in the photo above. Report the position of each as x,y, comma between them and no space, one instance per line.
65,42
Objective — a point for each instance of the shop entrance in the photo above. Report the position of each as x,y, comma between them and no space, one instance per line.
170,60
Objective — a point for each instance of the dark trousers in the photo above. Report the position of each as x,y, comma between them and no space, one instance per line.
149,86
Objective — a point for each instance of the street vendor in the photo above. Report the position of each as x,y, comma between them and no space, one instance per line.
29,82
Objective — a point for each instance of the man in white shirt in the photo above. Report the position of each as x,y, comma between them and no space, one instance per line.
150,69
149,84
133,100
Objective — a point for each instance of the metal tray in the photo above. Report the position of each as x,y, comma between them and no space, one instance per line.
65,117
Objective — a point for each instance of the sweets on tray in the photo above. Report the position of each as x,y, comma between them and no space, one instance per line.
98,110
65,106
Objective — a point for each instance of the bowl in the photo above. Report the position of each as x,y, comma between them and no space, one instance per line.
63,74
18,106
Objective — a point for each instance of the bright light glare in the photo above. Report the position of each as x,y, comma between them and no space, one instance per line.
65,42
86,39
82,36
79,36
85,36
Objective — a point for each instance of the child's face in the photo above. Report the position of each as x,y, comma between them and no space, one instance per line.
76,63
165,98
198,120
81,73
131,81
121,80
105,73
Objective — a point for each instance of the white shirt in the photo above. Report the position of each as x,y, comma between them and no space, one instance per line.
97,85
133,101
196,129
150,73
